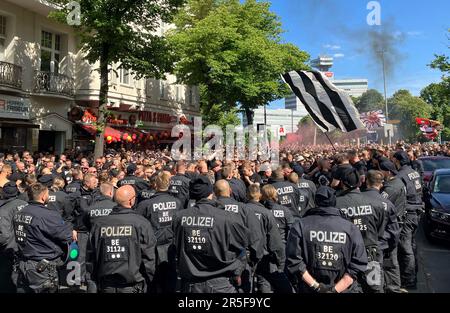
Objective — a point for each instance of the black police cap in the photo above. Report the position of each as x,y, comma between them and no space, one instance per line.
388,166
200,187
46,180
325,196
131,169
350,177
402,156
10,190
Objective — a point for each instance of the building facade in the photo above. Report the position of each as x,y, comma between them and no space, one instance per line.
44,78
282,118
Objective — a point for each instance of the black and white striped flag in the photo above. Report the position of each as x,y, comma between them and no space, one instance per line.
330,108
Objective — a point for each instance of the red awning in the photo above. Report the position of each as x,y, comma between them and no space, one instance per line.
109,131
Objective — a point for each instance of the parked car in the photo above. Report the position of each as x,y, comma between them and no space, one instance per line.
432,163
437,206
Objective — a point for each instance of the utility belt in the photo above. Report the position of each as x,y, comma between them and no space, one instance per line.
44,264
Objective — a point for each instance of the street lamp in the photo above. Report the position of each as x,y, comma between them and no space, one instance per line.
385,96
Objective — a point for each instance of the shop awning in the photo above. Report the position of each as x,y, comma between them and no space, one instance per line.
109,131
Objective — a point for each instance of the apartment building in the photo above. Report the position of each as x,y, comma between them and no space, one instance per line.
44,81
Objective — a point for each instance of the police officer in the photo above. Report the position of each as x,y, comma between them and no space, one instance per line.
77,181
369,217
80,202
159,210
58,200
407,245
307,190
9,206
395,191
42,237
282,214
239,191
210,246
325,252
102,205
179,184
148,192
269,271
131,179
241,214
121,252
288,193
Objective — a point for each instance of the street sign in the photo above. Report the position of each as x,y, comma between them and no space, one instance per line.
282,131
393,122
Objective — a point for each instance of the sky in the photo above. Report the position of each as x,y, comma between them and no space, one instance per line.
410,32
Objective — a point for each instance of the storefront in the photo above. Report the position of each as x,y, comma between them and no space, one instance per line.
15,125
136,129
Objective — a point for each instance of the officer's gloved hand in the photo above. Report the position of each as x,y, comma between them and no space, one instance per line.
322,288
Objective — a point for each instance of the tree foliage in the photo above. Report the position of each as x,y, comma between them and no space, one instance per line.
123,32
438,94
405,107
235,51
371,100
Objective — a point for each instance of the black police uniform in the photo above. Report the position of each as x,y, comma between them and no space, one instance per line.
211,248
326,245
74,186
407,244
138,183
159,210
249,220
283,218
288,195
179,188
144,194
307,191
389,242
42,237
239,212
238,189
102,206
121,252
369,217
270,270
58,200
8,247
395,191
80,203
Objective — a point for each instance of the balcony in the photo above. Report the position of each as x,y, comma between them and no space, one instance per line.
54,84
10,75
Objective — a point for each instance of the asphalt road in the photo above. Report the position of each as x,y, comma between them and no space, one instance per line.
434,265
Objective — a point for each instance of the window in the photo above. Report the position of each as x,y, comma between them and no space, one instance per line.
124,76
2,31
50,52
162,89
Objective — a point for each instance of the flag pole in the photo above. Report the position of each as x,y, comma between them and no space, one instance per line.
334,148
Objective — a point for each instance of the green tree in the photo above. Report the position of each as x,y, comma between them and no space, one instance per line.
369,101
405,107
438,96
234,50
122,32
